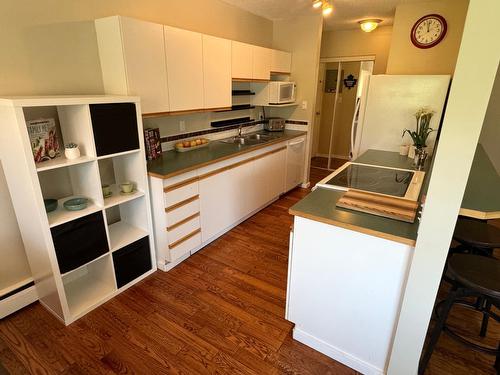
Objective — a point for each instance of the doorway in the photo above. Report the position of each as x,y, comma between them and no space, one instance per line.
338,96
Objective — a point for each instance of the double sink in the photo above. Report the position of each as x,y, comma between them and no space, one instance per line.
249,139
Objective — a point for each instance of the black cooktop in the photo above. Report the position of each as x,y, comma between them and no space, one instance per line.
375,179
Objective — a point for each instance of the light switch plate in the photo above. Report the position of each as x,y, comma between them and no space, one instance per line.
304,104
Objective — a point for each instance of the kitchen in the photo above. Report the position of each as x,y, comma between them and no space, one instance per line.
218,170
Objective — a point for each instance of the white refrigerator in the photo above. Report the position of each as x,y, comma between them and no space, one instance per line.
386,107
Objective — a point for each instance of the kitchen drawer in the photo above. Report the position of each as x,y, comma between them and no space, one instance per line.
182,229
180,194
180,213
185,245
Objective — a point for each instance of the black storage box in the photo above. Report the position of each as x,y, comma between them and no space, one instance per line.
132,261
115,127
79,241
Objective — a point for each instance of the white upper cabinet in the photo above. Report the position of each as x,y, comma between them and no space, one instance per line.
216,72
123,45
261,63
184,55
241,58
281,61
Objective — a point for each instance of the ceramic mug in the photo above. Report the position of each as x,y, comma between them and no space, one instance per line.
106,190
127,187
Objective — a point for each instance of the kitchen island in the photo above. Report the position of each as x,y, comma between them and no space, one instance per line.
347,272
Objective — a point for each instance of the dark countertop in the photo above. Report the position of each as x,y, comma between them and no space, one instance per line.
320,204
482,194
173,163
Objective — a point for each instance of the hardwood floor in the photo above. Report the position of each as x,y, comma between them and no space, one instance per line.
220,311
321,162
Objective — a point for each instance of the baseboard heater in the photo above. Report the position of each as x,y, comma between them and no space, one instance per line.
16,297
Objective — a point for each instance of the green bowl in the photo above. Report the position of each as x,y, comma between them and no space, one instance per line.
50,204
76,204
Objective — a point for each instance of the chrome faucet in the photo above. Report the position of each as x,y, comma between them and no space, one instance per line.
239,130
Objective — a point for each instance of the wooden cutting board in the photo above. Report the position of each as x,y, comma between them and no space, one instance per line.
380,205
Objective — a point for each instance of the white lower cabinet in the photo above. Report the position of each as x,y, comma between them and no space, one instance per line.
295,157
193,209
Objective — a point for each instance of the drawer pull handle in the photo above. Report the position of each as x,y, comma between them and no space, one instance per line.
182,203
180,184
183,221
184,239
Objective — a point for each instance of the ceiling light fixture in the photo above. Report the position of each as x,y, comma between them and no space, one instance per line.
369,25
327,8
317,3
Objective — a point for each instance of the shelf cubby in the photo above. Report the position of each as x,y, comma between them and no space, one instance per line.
72,126
127,222
87,286
78,180
119,169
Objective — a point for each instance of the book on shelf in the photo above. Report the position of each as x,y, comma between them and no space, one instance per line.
43,138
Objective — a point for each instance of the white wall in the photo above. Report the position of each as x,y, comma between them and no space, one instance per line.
302,37
354,42
470,92
405,58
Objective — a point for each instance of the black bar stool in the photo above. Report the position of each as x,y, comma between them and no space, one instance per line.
474,276
476,237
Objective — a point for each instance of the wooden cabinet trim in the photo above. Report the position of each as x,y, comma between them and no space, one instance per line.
250,79
186,111
280,73
182,203
183,221
184,239
178,185
232,166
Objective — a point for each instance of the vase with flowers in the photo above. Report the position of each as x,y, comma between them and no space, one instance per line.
419,136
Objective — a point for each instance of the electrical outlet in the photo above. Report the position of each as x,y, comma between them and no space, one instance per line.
182,126
304,104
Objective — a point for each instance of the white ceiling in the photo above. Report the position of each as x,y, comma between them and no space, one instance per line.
345,14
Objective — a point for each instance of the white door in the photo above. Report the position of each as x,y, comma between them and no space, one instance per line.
261,66
281,61
295,162
216,72
241,60
184,53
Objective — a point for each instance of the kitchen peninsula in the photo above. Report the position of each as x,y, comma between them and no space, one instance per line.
201,194
360,264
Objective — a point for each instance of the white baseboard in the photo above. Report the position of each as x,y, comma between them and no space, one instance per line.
343,157
18,301
335,353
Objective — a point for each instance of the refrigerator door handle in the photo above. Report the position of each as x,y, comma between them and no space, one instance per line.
354,127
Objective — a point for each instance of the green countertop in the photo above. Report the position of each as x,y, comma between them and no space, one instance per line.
172,163
320,204
482,194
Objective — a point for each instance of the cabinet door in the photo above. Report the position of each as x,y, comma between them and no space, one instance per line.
225,198
144,52
184,69
269,177
281,61
261,63
295,162
241,60
216,72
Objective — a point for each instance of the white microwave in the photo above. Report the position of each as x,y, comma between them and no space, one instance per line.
281,92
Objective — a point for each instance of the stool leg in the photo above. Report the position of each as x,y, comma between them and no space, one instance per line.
497,361
436,332
486,316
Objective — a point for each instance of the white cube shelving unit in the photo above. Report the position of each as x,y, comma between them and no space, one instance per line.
70,284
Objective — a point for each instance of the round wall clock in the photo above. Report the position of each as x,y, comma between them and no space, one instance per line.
428,31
